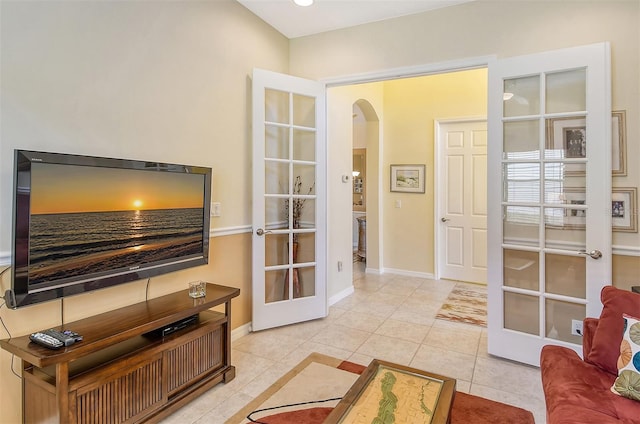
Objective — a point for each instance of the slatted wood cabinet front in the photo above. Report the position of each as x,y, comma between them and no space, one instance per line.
136,375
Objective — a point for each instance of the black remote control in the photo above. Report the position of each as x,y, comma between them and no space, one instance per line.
75,336
54,339
46,340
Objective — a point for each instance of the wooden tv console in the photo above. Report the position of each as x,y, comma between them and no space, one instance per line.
123,370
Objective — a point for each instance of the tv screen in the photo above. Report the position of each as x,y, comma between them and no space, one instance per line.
83,223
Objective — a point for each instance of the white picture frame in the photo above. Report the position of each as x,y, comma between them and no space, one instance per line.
559,138
619,143
408,178
624,209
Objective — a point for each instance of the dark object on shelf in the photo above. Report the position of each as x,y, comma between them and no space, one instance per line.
47,340
54,339
173,327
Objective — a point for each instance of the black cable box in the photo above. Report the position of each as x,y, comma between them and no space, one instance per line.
174,326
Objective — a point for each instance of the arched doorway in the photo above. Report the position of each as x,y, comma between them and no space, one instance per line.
366,185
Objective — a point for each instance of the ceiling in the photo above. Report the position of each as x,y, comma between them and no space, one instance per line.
326,15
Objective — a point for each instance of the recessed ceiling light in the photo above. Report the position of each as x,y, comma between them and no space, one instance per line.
303,2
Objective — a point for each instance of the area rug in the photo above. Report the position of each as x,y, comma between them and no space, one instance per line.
308,393
466,303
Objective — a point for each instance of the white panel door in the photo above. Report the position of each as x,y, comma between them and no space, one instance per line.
462,217
289,207
549,197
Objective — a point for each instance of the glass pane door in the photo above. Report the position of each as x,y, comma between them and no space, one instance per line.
553,171
289,196
544,168
288,285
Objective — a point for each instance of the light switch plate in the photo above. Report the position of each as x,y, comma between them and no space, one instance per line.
216,209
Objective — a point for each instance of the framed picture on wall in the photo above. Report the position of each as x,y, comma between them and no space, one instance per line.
619,143
624,209
407,178
575,216
568,137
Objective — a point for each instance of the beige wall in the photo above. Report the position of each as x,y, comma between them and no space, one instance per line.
411,107
163,81
339,154
626,271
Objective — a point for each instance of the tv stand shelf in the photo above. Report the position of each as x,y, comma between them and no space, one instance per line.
124,372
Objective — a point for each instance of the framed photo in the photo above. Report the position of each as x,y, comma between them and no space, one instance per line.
624,209
575,217
407,178
619,143
568,137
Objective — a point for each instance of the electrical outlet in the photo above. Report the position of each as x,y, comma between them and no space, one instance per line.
576,327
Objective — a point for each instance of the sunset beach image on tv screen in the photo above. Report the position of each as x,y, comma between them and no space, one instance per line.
88,220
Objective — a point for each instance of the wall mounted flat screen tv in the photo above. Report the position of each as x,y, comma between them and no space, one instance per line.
83,223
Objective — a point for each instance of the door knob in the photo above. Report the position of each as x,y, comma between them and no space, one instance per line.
443,219
595,254
261,232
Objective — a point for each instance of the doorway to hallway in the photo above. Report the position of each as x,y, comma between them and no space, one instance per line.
461,230
407,109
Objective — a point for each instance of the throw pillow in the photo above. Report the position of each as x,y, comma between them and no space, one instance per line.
608,334
628,382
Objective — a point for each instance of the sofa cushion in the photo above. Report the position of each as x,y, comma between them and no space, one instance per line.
605,348
628,382
589,327
577,392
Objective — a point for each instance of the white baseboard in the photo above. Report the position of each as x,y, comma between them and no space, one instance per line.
245,329
341,295
241,331
408,273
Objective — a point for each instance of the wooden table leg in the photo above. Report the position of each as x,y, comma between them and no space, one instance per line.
62,392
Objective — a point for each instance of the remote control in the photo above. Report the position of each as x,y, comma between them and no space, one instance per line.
75,336
55,339
46,340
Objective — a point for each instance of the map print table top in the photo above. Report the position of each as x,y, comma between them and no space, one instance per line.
389,393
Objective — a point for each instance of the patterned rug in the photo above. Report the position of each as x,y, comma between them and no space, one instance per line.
466,303
293,399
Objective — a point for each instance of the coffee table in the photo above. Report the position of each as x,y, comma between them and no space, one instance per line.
396,393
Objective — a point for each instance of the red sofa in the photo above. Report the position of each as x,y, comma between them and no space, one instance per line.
578,391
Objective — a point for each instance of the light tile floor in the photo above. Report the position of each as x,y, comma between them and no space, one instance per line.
388,317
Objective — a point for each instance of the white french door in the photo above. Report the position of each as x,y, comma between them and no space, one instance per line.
289,224
549,197
462,203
